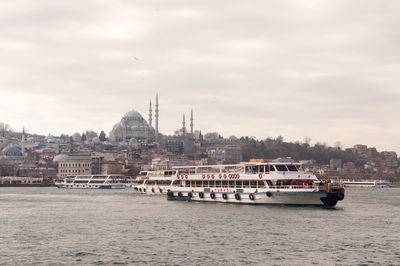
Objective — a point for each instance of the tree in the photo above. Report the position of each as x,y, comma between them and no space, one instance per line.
4,127
102,136
307,141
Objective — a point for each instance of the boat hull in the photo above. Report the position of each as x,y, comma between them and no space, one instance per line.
314,198
152,190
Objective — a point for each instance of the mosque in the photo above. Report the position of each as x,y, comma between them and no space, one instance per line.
13,152
133,128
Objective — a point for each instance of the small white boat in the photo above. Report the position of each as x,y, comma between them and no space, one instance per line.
95,181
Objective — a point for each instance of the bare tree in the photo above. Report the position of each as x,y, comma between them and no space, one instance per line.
4,127
338,145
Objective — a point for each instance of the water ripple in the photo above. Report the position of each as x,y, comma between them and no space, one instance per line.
80,227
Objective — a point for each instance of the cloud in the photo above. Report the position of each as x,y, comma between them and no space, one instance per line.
293,68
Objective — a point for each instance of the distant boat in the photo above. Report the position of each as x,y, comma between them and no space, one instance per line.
365,183
95,181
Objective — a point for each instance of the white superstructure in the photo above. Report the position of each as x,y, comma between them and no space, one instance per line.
95,181
253,183
154,182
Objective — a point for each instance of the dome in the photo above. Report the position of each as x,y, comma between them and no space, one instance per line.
96,140
60,158
76,137
11,151
132,115
133,141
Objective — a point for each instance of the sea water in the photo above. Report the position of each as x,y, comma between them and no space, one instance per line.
72,227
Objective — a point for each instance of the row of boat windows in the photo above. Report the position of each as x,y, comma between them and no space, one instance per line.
225,184
235,169
158,182
98,181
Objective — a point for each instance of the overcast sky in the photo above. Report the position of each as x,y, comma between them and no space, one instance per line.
329,70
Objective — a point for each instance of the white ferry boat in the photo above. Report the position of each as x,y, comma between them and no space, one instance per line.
365,183
95,181
253,183
154,182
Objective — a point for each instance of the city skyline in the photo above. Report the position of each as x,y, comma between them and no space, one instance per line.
324,70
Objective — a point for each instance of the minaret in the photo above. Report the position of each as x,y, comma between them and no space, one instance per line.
123,131
183,126
23,143
191,122
156,115
150,116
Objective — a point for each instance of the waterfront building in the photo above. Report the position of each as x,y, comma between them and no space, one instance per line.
225,154
18,180
73,164
335,164
111,168
390,159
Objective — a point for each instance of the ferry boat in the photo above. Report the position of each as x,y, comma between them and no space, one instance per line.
365,183
154,182
253,183
95,181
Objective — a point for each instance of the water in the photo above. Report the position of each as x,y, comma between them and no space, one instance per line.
65,227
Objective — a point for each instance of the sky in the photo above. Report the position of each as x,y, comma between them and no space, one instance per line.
326,69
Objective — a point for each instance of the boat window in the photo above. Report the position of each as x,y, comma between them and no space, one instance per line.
224,183
218,183
232,169
253,184
261,168
271,168
261,184
281,168
251,169
299,168
246,184
211,183
199,183
187,183
207,169
239,183
231,183
292,168
270,183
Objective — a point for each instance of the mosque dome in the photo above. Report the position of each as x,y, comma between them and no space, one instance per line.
11,151
96,140
132,115
133,142
61,158
76,137
132,125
